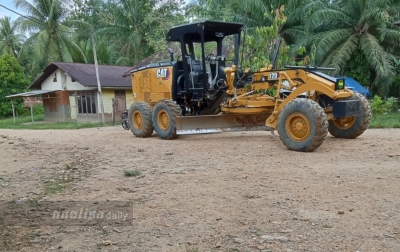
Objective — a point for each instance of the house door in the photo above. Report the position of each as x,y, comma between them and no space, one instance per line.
120,101
72,105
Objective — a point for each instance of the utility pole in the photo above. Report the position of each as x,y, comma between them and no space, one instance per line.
100,96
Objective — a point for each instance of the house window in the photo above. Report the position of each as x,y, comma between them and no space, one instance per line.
86,102
55,77
73,80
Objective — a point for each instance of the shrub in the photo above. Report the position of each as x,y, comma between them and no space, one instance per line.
391,105
37,110
379,106
12,81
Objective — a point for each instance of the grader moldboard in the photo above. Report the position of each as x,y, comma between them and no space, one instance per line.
184,97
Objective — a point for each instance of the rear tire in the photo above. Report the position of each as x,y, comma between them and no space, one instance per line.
302,125
140,119
352,127
125,124
164,114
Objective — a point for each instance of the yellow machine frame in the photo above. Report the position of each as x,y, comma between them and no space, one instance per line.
302,123
245,103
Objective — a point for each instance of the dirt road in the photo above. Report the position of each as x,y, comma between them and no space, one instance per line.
220,192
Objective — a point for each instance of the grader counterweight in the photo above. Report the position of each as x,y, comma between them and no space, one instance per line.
201,94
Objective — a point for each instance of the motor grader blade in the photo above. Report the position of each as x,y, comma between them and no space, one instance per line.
186,125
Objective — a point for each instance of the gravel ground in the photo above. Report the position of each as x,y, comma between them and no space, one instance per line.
240,191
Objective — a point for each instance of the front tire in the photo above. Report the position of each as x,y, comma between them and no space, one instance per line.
140,119
302,125
352,127
164,114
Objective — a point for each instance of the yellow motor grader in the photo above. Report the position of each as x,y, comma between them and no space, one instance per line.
202,94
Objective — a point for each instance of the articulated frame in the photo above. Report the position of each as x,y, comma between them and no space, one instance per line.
247,101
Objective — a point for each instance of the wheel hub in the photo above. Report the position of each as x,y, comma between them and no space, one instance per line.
344,123
163,120
137,120
297,127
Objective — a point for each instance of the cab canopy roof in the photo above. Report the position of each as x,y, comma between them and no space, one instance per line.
212,31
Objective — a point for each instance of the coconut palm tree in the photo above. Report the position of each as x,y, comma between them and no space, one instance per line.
128,30
345,28
10,39
213,10
253,13
106,53
138,26
51,35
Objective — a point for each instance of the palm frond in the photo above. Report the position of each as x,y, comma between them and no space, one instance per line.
341,55
375,18
64,48
77,24
31,25
378,59
320,19
389,35
41,44
330,41
123,61
30,9
353,8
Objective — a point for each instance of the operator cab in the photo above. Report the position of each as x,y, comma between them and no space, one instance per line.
193,77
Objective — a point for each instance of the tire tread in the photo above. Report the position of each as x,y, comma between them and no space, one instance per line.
320,120
176,111
145,108
354,133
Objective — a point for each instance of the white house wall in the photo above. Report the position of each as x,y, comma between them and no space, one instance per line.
48,84
64,82
74,86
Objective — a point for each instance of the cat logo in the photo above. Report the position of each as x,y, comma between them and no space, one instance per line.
163,73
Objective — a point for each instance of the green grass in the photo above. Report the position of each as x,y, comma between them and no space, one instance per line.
385,121
20,120
19,124
378,121
132,173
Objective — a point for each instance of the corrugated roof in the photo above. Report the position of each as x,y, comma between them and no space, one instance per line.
30,93
110,76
